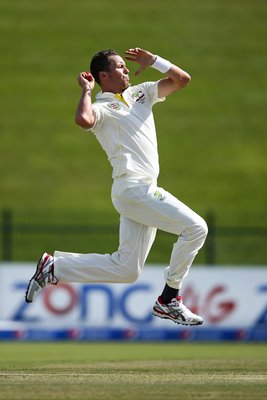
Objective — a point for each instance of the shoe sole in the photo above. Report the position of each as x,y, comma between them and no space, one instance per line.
32,290
161,314
33,286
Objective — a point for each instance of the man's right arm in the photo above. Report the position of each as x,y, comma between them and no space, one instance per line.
85,115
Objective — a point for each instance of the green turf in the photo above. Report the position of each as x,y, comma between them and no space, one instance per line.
211,135
132,371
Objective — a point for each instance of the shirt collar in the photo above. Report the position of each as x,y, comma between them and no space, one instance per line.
108,95
104,95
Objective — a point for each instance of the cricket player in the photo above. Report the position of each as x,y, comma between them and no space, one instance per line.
122,121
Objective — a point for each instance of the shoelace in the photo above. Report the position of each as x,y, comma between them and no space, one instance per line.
186,310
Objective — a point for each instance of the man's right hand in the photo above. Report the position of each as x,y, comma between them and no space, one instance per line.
85,115
86,80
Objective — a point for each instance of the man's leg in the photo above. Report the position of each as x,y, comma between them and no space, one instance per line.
123,266
156,207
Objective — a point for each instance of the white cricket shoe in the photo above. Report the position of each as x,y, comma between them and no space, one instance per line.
44,275
176,311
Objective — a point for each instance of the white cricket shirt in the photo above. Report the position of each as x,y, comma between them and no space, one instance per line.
125,129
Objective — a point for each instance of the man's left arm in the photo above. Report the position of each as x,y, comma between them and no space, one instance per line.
176,77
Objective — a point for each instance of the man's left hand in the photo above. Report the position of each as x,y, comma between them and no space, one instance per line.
142,57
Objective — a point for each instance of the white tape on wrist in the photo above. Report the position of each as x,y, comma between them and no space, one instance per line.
161,64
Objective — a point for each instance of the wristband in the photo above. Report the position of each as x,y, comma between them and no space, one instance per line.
161,64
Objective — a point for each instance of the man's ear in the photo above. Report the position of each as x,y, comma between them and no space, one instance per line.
103,75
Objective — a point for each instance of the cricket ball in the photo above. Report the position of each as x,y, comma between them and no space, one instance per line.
88,76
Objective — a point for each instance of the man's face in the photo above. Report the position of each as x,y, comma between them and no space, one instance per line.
118,74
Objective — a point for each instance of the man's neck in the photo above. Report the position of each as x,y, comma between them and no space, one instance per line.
112,89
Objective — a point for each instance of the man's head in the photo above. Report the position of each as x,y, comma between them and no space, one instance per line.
109,71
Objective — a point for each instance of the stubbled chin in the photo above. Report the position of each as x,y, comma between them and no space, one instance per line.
126,85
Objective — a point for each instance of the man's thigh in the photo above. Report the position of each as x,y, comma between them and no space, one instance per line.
154,206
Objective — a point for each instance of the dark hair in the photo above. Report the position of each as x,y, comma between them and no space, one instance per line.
100,62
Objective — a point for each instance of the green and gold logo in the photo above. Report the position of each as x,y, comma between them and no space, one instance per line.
114,106
159,196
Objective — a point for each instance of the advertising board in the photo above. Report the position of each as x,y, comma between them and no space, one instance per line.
232,301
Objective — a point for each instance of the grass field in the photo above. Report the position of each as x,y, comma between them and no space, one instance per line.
143,371
212,135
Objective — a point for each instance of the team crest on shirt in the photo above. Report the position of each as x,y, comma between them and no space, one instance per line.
159,196
114,106
139,96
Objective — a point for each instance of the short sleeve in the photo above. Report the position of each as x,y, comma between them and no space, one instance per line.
152,90
98,118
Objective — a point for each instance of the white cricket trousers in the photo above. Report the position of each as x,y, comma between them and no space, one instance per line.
144,208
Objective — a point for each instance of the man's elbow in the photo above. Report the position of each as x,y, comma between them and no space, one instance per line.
182,81
84,122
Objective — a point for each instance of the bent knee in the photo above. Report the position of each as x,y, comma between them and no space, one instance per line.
130,276
130,267
197,231
203,227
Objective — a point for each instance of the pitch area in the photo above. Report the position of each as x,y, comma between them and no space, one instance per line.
140,371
